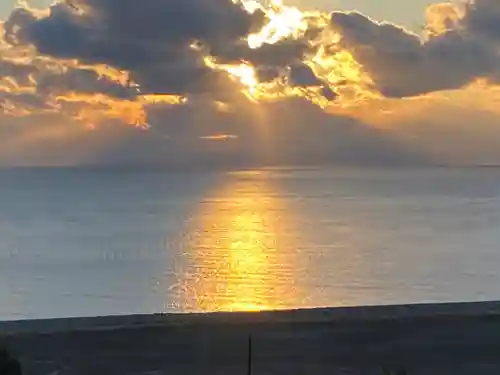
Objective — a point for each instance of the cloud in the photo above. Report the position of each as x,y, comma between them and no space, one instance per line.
145,38
14,69
401,64
153,41
236,82
482,19
127,33
287,132
85,81
52,140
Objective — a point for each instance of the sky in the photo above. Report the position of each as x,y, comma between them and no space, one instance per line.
238,83
409,13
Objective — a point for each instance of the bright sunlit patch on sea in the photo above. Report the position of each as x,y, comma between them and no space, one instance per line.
237,250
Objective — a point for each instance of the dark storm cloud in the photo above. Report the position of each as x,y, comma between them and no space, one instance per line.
85,81
144,37
125,33
302,75
181,80
151,39
269,73
402,65
483,18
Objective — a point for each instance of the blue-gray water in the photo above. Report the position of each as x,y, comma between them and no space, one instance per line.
97,242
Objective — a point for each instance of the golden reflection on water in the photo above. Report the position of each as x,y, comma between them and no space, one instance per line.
236,257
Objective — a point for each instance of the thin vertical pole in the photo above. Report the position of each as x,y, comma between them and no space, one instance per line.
249,372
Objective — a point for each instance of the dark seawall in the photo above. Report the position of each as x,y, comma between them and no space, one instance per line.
456,339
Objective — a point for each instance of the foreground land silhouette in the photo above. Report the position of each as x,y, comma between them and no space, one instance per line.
8,364
455,339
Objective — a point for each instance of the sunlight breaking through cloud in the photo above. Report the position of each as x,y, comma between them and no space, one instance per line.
239,59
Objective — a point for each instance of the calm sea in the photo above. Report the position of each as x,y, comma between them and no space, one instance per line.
76,242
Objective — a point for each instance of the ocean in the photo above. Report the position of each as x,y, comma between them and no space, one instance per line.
88,242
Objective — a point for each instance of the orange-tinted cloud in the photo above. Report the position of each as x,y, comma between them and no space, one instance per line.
260,76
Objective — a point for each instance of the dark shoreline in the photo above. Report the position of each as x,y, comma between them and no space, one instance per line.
307,315
454,338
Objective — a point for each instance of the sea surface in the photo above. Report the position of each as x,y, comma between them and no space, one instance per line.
87,242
